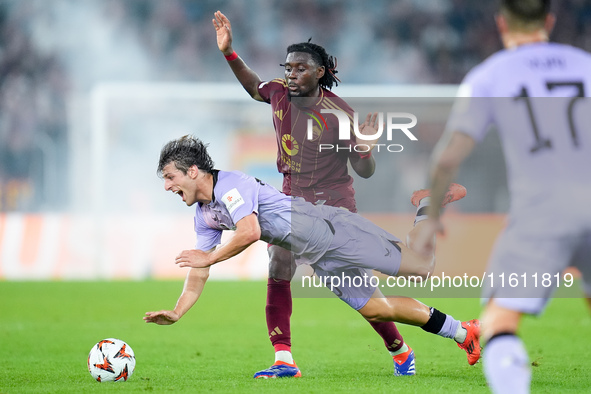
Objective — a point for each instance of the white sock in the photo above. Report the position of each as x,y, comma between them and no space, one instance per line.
506,365
461,334
403,349
422,210
450,327
284,355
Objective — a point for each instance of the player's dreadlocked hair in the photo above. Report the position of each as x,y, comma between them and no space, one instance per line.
185,152
525,14
322,58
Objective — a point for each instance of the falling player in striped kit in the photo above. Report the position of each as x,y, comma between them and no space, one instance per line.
537,95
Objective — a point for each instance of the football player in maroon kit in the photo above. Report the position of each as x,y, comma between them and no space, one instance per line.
318,175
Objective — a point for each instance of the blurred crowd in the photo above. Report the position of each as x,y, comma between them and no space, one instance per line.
401,41
33,93
51,50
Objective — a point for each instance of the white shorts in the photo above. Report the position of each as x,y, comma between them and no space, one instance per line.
526,269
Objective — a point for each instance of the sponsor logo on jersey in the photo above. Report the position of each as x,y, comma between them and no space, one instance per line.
290,145
232,200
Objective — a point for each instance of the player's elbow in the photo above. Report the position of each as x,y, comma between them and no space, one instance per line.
248,230
366,174
202,273
252,235
447,163
364,170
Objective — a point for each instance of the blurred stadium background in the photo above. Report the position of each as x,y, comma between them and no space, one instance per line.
90,90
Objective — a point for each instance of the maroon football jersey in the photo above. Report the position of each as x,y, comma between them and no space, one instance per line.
319,176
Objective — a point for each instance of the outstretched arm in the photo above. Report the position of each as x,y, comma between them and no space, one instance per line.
194,283
450,152
247,77
247,232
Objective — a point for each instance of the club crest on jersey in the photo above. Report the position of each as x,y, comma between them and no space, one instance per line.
290,145
315,128
232,200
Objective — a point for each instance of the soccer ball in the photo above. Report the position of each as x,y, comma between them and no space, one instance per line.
111,360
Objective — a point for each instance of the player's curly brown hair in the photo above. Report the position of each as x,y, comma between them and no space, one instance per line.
185,152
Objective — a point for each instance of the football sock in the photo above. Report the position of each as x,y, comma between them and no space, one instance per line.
283,353
422,210
402,349
390,334
461,334
506,365
441,324
278,311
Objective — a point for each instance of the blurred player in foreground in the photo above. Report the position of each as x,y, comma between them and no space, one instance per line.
536,94
319,176
334,241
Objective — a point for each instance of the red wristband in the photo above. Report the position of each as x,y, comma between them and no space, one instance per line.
365,155
231,57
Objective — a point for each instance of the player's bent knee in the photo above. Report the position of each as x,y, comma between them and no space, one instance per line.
418,272
415,265
376,310
281,264
373,317
426,267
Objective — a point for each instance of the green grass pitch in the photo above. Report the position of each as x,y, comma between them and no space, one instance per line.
48,328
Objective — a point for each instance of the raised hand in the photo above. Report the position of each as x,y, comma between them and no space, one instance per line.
369,127
223,30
